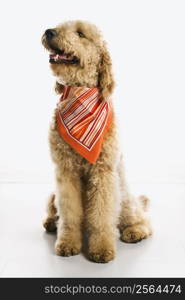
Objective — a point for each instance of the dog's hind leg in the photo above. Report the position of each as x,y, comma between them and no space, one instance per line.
134,225
50,222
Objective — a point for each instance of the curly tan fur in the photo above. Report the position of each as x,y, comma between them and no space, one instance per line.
87,194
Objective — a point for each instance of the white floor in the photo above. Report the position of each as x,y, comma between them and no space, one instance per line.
27,251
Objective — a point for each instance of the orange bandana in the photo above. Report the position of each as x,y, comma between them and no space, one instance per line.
84,120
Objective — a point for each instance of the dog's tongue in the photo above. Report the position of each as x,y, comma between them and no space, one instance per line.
57,57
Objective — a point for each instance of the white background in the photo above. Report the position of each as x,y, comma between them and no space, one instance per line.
146,41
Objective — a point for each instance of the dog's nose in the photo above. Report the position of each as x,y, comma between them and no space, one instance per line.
50,33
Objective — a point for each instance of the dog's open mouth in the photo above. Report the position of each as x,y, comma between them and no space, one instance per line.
61,57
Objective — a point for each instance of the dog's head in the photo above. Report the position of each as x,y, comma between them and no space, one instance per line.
78,56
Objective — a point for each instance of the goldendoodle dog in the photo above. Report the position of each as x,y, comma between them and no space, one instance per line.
91,191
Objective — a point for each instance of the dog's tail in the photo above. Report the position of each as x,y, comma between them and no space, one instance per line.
144,202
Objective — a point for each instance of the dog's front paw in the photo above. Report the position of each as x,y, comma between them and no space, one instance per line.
102,255
101,250
135,233
67,248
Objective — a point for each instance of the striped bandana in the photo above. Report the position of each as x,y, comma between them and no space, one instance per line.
84,120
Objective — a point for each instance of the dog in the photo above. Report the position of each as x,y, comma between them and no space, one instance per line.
91,191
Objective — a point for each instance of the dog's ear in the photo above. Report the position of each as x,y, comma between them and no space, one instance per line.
106,81
59,87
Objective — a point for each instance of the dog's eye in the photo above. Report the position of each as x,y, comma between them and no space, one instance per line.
81,34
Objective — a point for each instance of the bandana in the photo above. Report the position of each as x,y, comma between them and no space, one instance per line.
84,120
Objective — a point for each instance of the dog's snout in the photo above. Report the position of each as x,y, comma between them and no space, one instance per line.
50,33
